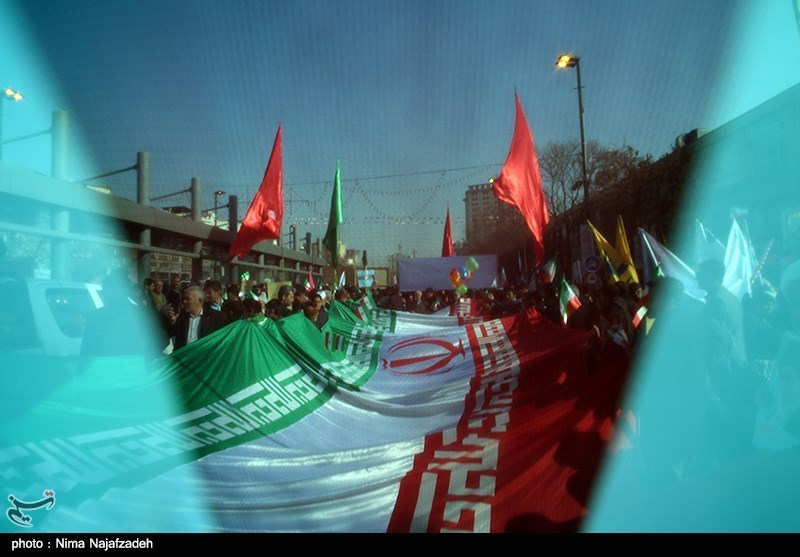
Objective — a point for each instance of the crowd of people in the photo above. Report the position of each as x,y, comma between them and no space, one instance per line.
724,380
183,311
605,311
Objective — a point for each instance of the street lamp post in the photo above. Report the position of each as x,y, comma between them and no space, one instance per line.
11,95
216,208
216,204
568,61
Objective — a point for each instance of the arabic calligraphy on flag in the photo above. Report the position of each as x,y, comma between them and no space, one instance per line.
385,422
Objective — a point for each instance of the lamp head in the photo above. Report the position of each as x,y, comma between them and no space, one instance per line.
567,61
12,95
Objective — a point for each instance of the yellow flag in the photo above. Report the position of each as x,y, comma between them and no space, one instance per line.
623,250
616,265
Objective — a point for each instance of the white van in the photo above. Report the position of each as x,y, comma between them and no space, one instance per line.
43,316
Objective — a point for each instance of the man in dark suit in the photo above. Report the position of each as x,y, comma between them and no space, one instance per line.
195,321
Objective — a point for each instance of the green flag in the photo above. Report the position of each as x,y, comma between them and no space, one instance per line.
331,239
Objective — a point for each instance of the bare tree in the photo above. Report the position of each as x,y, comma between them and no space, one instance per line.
560,167
618,184
562,173
615,166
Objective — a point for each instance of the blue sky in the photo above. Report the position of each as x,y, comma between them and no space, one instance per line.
389,88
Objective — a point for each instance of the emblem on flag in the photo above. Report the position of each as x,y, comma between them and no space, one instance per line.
426,364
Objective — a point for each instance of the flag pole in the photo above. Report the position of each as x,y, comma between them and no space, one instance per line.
761,262
282,261
524,262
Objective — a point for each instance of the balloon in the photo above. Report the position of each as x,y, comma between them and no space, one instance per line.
463,272
471,264
455,277
469,276
461,289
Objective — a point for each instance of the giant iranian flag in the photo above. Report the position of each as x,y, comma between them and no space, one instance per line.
382,422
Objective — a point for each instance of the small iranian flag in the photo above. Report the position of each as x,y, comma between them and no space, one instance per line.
547,273
638,317
309,282
567,301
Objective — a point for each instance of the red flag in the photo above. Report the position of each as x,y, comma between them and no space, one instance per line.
520,183
447,241
263,218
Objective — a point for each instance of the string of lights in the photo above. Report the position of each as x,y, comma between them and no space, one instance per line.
426,204
318,214
364,191
417,221
416,191
479,168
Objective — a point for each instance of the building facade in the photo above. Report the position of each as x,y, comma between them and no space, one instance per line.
484,212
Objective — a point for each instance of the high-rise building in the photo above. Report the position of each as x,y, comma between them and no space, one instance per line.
484,212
